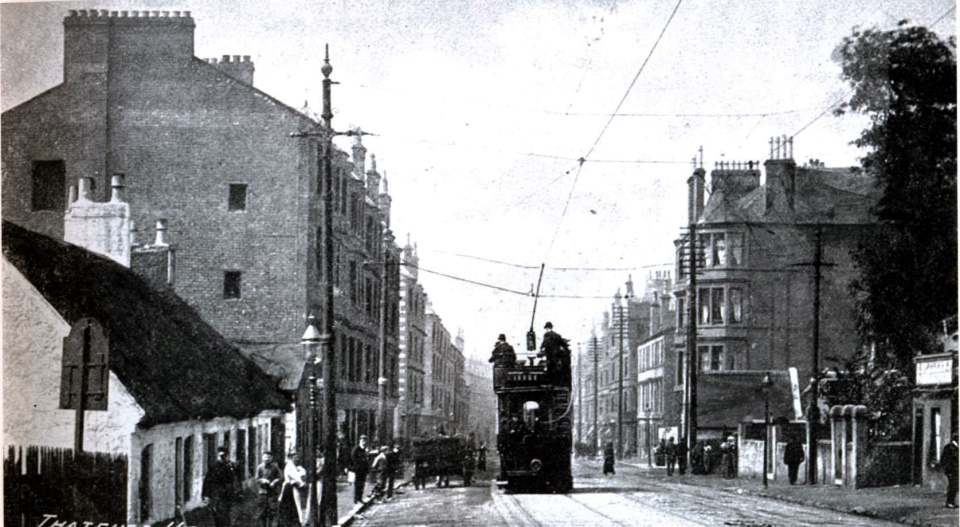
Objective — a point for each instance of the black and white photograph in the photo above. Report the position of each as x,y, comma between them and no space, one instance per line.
484,263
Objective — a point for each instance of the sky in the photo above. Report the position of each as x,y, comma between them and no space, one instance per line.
482,111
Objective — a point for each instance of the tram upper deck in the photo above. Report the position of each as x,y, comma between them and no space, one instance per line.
525,376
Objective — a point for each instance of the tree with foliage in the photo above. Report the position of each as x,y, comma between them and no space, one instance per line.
905,80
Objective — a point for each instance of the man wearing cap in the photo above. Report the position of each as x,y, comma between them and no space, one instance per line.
269,479
557,352
503,353
220,488
360,466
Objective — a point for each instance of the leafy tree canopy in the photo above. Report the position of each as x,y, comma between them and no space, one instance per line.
905,80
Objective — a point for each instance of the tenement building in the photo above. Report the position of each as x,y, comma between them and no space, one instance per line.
762,252
213,156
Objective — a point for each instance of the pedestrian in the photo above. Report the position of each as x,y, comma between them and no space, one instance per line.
670,452
682,456
469,463
359,467
728,459
290,508
269,477
948,460
696,458
221,488
792,456
394,469
503,355
608,459
556,350
482,457
380,469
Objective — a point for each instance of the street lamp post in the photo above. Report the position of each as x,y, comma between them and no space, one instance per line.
765,385
328,497
310,341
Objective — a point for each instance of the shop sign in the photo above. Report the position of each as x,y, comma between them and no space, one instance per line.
935,372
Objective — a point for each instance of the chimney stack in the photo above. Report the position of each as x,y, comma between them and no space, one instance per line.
103,228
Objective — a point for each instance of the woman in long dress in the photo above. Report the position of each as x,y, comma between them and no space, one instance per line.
290,510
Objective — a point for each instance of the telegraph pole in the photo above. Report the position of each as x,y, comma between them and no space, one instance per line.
382,351
692,355
813,410
580,396
620,377
596,392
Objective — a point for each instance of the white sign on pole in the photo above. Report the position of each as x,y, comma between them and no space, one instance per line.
795,392
935,372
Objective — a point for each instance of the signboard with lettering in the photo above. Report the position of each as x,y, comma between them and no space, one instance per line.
935,372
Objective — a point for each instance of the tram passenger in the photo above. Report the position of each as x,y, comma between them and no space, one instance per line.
557,352
503,355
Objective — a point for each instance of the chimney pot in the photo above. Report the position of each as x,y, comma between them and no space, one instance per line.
236,58
116,184
84,185
161,238
225,58
72,194
246,58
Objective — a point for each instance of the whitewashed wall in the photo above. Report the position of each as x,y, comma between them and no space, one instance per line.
32,360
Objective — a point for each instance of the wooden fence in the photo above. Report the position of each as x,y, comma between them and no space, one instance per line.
84,487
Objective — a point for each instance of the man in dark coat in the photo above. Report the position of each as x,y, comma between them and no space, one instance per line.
557,352
793,455
608,459
360,466
670,452
503,353
221,487
948,460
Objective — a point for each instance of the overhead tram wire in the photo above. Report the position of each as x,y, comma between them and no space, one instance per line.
525,266
603,131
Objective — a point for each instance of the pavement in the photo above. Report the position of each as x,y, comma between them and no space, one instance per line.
245,512
905,504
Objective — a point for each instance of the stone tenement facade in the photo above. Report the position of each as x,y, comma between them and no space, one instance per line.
206,151
413,337
757,246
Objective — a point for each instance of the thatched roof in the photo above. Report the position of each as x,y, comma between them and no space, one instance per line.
174,364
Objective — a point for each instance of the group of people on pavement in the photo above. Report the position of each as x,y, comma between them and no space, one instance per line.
222,489
386,466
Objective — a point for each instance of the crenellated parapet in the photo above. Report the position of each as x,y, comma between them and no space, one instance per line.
239,67
181,16
163,39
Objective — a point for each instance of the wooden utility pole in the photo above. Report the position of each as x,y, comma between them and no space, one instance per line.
596,393
692,355
382,350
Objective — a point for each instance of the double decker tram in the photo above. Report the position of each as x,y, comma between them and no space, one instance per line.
535,432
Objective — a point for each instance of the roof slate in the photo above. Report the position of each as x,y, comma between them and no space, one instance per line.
174,364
